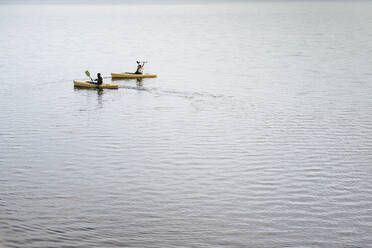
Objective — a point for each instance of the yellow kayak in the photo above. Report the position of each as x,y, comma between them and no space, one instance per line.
132,75
90,85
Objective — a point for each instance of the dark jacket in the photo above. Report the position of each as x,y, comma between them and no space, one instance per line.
99,80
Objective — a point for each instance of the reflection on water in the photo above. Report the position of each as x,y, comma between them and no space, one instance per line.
100,97
139,83
126,83
88,92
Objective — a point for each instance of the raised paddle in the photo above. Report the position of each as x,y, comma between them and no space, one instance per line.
88,74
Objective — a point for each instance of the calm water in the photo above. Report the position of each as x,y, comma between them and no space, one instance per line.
257,132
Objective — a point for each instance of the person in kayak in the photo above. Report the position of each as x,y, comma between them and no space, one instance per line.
99,79
140,67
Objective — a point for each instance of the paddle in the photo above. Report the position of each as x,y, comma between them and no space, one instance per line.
88,74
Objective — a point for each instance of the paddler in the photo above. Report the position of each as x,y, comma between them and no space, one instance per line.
140,67
99,79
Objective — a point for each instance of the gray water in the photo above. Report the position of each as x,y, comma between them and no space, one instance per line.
256,133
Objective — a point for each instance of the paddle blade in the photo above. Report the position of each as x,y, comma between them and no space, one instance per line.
87,73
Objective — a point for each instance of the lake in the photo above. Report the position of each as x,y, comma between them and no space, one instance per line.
257,131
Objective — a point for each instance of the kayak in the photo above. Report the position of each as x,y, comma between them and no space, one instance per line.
132,75
91,85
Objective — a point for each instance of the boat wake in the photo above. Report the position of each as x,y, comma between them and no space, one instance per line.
175,93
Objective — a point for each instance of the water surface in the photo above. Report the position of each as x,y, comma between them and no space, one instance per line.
257,132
